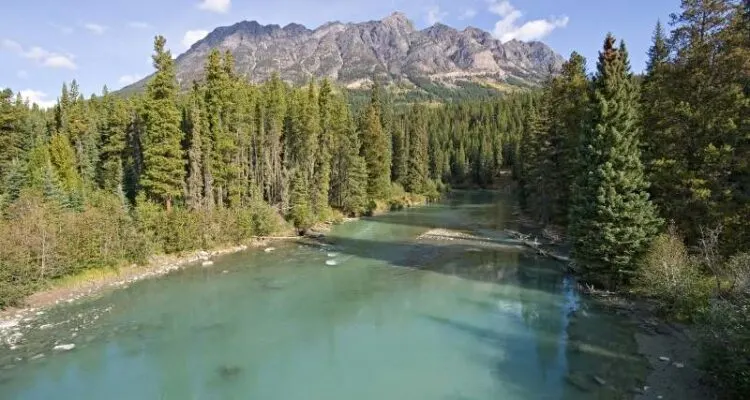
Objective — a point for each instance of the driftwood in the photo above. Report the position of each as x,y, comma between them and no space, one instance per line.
534,244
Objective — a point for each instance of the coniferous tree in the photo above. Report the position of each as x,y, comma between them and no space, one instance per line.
324,149
112,144
196,127
164,169
612,220
418,164
375,150
568,103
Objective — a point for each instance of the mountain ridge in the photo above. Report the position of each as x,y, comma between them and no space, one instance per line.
390,49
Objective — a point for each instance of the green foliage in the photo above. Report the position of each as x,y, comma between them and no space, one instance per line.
612,219
300,211
375,150
725,347
164,166
673,278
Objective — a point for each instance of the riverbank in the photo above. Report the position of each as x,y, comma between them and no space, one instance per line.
670,348
96,282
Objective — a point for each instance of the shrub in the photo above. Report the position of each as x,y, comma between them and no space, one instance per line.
669,276
725,347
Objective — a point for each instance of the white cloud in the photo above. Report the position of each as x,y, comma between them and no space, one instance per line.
218,6
59,61
468,14
38,97
95,28
12,45
192,37
139,25
509,27
22,74
434,15
129,79
62,28
40,55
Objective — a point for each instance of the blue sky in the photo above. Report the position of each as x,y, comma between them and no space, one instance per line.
46,42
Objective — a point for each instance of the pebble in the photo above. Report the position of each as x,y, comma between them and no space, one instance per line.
599,380
679,365
331,262
64,347
36,357
663,358
269,249
207,263
332,254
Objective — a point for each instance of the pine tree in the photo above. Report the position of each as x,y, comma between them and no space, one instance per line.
300,211
112,144
539,165
418,164
322,172
11,134
195,128
164,165
612,219
375,150
568,103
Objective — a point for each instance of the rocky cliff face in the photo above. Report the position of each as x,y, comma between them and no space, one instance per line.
351,54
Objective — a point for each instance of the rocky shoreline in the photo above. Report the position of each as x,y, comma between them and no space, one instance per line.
14,320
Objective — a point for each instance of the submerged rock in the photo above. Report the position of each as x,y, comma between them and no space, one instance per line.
228,372
64,347
269,249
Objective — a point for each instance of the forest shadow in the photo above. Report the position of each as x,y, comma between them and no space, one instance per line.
528,362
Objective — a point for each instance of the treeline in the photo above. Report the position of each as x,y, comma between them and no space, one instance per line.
651,174
99,181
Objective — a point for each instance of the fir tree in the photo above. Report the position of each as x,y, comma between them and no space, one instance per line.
612,219
164,166
196,127
417,172
322,172
112,144
375,150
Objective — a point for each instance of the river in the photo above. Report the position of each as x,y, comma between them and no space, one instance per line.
396,317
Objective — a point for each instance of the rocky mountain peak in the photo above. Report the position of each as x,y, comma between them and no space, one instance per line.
391,49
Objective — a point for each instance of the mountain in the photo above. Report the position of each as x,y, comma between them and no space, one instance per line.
352,53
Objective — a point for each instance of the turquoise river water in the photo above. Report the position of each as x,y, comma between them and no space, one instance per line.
397,317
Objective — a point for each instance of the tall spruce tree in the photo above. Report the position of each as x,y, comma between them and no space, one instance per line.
568,104
324,149
612,220
375,149
196,126
112,144
164,165
417,175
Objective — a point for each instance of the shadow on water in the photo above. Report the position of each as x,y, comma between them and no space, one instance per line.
577,344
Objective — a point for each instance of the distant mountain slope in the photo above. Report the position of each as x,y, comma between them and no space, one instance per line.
351,54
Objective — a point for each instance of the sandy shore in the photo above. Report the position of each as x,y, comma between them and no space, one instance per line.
76,289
